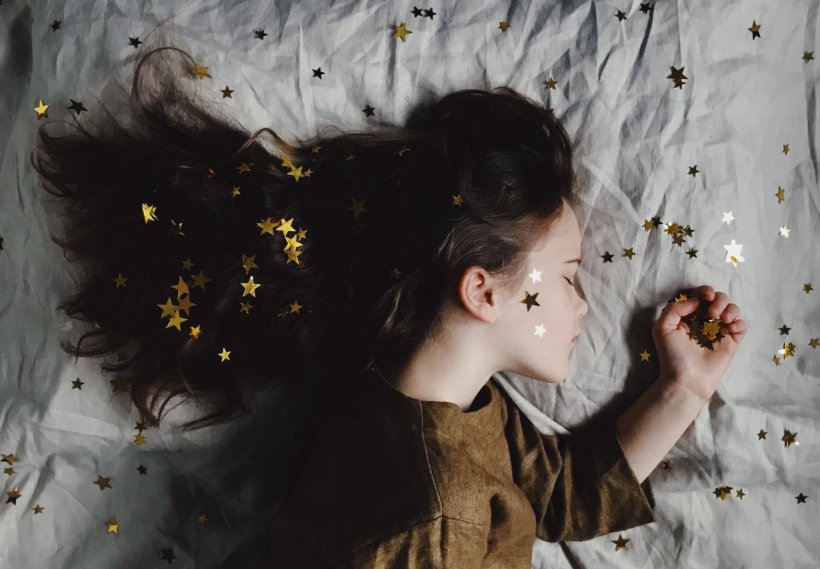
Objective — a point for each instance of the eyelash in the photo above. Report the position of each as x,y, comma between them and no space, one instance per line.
569,281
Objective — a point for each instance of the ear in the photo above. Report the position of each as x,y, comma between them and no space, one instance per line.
479,293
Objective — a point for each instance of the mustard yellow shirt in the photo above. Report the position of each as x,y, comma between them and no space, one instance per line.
395,482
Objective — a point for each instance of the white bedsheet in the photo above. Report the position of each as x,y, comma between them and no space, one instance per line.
745,98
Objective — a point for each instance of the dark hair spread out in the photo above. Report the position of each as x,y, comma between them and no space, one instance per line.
171,213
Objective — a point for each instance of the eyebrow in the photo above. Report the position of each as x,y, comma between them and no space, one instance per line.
572,261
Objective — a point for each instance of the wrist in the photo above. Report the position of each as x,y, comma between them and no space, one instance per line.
675,391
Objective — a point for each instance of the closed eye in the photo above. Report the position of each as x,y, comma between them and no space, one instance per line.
569,281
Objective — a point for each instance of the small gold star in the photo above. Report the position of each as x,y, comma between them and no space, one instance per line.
504,25
250,287
77,384
224,354
149,212
103,483
530,300
401,31
38,509
620,543
201,72
181,288
175,321
201,519
112,526
120,280
195,332
41,109
267,226
790,439
13,495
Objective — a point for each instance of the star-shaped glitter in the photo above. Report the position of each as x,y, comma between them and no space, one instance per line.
620,543
530,300
789,439
755,29
401,31
250,287
112,526
103,483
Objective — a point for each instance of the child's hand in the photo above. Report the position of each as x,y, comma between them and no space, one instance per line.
682,360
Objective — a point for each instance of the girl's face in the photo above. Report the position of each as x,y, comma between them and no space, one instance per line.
538,324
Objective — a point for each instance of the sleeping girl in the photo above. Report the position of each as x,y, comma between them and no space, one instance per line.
400,268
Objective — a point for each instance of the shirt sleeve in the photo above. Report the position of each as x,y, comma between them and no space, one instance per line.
441,543
580,486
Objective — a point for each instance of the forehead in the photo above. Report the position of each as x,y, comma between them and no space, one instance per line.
562,241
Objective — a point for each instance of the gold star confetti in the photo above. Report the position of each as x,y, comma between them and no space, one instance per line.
201,519
723,492
677,76
186,304
267,226
808,56
755,29
789,439
112,526
200,71
181,288
504,25
103,483
644,355
244,167
781,194
740,493
195,332
187,264
224,354
550,83
761,435
286,226
13,496
620,543
38,509
41,109
621,15
176,320
168,308
703,329
530,300
788,350
629,253
785,149
77,384
401,31
245,307
250,287
149,212
248,262
120,280
139,439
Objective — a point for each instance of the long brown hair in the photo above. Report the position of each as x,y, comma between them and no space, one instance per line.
384,224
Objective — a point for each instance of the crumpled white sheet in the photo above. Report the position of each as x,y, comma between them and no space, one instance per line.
636,137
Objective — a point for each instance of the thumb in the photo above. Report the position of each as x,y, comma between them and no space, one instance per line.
671,316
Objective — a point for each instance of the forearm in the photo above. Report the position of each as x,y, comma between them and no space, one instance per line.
653,424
